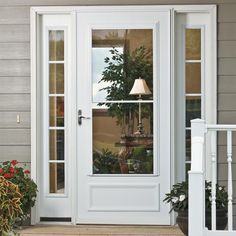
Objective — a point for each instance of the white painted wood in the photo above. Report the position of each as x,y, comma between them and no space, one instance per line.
196,220
214,171
197,227
197,133
230,187
158,20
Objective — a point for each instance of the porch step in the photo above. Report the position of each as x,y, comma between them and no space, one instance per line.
100,230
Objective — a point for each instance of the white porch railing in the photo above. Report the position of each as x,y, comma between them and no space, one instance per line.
197,178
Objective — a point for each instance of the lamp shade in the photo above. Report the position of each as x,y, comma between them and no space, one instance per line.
140,87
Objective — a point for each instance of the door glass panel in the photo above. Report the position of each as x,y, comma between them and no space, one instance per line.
122,70
57,176
56,96
193,78
56,45
118,147
119,57
193,44
56,144
56,111
56,78
193,109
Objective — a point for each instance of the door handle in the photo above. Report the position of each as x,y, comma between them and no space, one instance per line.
80,117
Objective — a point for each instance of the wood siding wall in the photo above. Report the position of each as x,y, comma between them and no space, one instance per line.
15,71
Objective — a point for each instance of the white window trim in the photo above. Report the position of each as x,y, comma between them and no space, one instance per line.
211,105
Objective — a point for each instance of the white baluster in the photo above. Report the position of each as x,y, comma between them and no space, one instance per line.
213,191
230,187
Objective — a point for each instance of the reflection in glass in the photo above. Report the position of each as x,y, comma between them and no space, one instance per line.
188,145
56,111
56,144
193,109
56,78
117,148
193,44
56,45
57,178
193,77
118,58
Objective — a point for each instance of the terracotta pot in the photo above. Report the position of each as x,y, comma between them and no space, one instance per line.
221,220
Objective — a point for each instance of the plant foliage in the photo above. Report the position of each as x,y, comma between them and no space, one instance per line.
178,197
121,71
21,177
10,205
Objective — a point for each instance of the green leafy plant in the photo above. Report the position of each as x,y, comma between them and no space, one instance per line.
10,205
178,197
121,71
105,162
21,177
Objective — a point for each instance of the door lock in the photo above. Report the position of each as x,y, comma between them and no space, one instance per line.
80,117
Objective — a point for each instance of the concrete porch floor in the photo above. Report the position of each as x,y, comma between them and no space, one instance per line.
100,230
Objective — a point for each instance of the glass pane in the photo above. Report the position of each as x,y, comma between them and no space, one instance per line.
121,143
193,44
193,109
187,169
56,78
56,45
193,77
188,145
56,111
57,178
56,144
118,58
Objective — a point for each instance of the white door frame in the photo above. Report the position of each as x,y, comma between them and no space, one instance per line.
37,12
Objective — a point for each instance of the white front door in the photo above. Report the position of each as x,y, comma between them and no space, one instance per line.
123,136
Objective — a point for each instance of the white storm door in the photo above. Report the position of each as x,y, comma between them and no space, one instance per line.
123,137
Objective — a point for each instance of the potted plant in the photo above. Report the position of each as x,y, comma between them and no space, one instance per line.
10,206
178,198
21,177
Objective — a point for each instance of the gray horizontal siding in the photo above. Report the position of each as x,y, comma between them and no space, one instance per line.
223,84
227,66
9,120
14,68
14,85
227,102
14,102
223,172
227,117
226,49
20,153
14,15
222,154
14,51
226,12
14,137
14,33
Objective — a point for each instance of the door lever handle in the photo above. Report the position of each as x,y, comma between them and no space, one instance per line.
80,117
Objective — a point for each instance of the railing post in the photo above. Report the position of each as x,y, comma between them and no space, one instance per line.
197,180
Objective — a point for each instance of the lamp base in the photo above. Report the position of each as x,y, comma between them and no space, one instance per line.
140,129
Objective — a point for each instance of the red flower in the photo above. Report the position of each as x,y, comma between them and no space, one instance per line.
27,172
11,170
1,170
14,162
8,175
